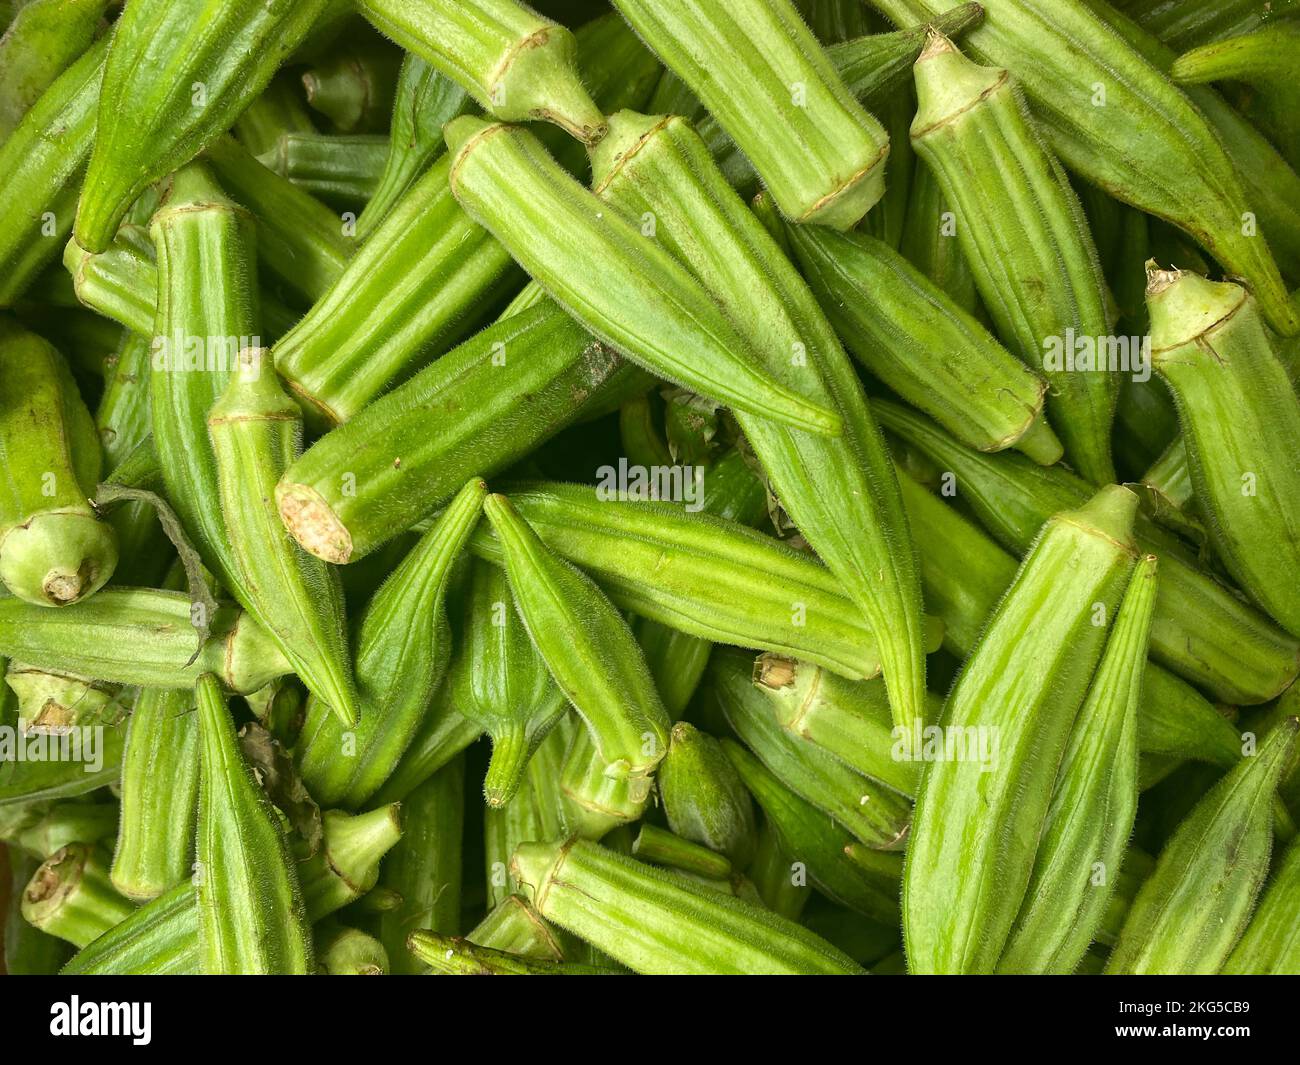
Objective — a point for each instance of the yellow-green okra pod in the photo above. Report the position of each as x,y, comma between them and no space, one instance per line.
536,811
587,646
349,952
1195,906
256,433
1025,237
1236,403
757,67
178,73
1271,942
979,812
54,550
251,917
1091,815
516,64
644,303
655,921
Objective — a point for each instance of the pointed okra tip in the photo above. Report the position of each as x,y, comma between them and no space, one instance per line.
629,132
461,134
354,843
1110,513
948,83
1184,305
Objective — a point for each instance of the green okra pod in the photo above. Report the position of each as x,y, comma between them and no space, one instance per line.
402,646
658,922
39,767
1195,906
1190,23
536,811
350,952
340,168
346,864
781,882
279,108
56,703
69,822
251,917
593,802
177,75
515,63
27,950
122,416
1091,815
981,807
442,735
661,847
757,67
703,798
930,243
453,956
647,305
1234,398
514,926
70,896
354,84
1271,943
586,645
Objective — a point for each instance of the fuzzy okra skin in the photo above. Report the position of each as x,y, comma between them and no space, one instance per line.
757,67
256,433
1236,403
515,63
840,491
1091,815
703,798
1194,907
70,896
977,820
587,647
454,956
537,811
655,921
403,646
340,168
178,73
592,802
1024,235
54,550
1271,942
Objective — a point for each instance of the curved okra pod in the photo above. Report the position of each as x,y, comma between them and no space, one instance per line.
251,917
659,922
120,282
256,434
1024,235
1091,816
647,305
703,798
1271,942
54,550
587,646
981,807
1195,906
1234,399
759,70
70,896
402,646
178,73
499,680
839,491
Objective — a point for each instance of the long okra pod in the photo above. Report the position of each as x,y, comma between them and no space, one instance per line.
1271,942
44,39
1185,24
453,956
979,813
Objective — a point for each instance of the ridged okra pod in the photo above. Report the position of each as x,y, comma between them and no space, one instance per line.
646,304
757,67
1091,815
251,917
515,63
1187,24
67,822
661,847
45,38
593,802
442,735
980,811
70,895
402,646
1146,143
454,956
340,168
1023,233
41,167
659,922
587,646
346,864
120,282
1271,942
178,73
703,798
1235,402
839,491
1195,906
353,85
256,434
535,811
54,550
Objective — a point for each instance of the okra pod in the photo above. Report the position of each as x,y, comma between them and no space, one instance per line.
27,950
278,109
453,956
1185,24
347,863
354,84
56,703
981,808
536,811
442,735
593,802
70,896
657,922
781,882
49,767
930,243
703,798
350,952
660,847
44,39
1271,942
514,926
1195,906
340,168
69,822
122,416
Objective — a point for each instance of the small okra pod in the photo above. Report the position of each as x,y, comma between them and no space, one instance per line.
256,433
984,799
1271,942
44,39
703,798
1194,907
426,865
1094,802
251,917
55,703
278,109
353,85
454,956
645,303
658,922
69,822
1024,235
70,895
760,71
177,75
349,952
594,803
587,646
516,64
781,882
402,646
514,926
346,864
537,811
342,169
816,843
660,847
499,680
1234,398
54,550
159,792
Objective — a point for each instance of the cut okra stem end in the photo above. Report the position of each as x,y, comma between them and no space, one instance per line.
313,523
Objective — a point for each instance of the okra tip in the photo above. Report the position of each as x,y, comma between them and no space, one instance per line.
58,557
1184,305
535,865
629,132
313,523
355,843
544,84
1109,513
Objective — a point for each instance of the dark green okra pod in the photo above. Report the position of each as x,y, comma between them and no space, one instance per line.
278,109
1190,23
1271,942
353,85
535,812
703,799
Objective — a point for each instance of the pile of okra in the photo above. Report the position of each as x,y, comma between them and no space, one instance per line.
659,486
